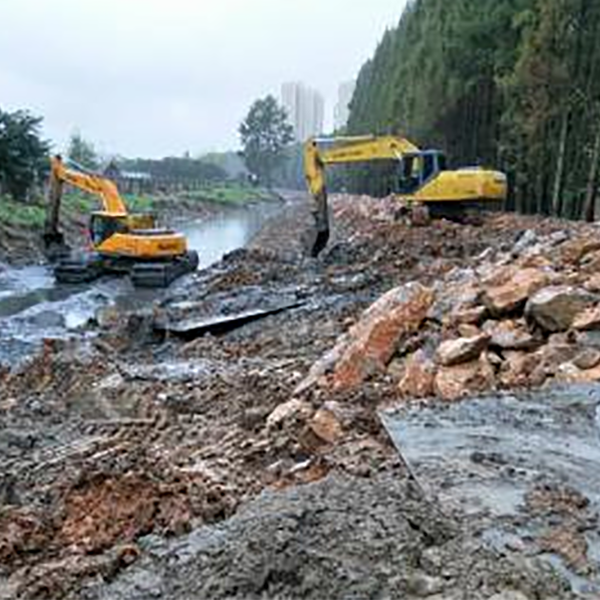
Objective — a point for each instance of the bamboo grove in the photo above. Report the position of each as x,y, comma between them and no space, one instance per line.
513,84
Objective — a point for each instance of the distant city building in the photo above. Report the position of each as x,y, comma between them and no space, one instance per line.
341,112
305,108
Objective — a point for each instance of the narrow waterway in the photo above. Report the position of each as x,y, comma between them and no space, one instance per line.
33,307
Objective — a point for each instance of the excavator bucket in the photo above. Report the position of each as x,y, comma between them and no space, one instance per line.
55,247
320,213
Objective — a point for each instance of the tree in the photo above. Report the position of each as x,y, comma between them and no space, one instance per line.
82,152
265,136
23,154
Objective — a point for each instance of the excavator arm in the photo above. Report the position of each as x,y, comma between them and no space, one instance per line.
343,150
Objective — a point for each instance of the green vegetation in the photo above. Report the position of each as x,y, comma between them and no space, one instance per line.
265,136
74,203
23,154
510,83
19,214
174,169
82,152
230,194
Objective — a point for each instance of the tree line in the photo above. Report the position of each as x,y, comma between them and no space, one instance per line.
24,159
513,84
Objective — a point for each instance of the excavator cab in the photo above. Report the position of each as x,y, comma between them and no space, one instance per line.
103,226
418,168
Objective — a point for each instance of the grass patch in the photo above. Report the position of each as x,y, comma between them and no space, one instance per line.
32,215
21,214
229,194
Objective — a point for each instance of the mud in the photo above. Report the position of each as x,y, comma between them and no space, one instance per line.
340,538
136,464
522,467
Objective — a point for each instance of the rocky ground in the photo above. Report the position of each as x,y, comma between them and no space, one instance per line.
250,462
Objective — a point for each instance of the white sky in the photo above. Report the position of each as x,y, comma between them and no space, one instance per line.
159,77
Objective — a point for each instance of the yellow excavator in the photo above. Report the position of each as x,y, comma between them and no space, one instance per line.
423,178
120,242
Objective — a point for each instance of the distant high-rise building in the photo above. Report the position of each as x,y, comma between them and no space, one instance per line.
305,108
341,112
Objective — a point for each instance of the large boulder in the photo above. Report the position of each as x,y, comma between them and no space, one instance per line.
461,350
452,383
419,377
509,289
371,343
555,308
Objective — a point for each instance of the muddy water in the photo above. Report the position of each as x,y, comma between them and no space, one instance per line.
33,307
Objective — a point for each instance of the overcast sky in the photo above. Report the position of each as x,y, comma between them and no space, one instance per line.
159,77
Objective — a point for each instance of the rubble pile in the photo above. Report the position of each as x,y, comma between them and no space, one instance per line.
137,436
522,317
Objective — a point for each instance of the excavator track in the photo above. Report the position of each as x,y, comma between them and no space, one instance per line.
464,211
162,274
78,269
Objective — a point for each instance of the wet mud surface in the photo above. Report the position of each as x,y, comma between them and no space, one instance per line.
524,467
137,464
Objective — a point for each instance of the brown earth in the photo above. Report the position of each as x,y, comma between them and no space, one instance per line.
124,448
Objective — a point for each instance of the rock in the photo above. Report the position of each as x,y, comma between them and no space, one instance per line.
419,216
419,377
109,317
458,291
518,370
591,263
593,284
467,316
452,383
588,339
588,319
423,585
509,335
509,595
371,343
534,259
510,288
570,373
558,237
587,359
555,308
326,426
325,365
525,240
294,408
468,331
574,250
462,350
488,255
